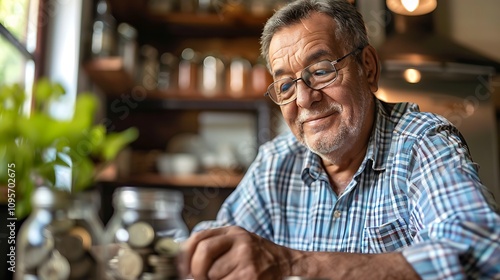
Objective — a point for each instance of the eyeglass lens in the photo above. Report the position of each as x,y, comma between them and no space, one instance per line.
315,76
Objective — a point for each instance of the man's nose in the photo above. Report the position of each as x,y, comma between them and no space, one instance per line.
306,96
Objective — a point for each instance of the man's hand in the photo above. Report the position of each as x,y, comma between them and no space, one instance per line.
233,253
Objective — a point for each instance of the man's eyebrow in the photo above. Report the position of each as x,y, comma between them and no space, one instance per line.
316,55
309,59
278,72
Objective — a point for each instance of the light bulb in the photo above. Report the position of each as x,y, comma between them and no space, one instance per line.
412,76
410,5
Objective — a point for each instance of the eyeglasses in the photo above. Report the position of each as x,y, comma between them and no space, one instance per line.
316,76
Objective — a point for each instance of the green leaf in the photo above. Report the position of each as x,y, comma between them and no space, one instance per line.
47,171
42,130
115,142
57,90
42,90
85,107
97,135
82,175
62,160
12,98
9,130
38,143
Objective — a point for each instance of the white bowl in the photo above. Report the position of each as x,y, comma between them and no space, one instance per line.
177,164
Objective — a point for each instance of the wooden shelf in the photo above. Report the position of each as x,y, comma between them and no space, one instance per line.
229,20
198,95
109,75
201,103
219,179
239,19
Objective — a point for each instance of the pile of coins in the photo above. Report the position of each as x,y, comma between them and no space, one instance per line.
64,252
145,254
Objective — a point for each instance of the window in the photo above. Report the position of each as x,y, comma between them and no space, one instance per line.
18,41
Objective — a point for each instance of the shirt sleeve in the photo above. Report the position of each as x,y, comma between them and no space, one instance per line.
246,205
458,232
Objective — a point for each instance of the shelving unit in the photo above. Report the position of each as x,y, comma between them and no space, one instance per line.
209,180
160,114
109,75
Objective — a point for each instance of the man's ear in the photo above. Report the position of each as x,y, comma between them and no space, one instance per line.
371,66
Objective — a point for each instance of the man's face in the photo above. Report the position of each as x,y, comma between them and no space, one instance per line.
332,118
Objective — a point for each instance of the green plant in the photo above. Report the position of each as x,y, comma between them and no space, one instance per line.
34,145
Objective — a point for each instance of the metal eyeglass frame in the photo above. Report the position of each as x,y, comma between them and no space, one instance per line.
305,73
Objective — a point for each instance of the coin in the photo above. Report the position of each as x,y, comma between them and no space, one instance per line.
152,276
83,268
127,264
70,247
56,268
141,234
163,265
30,277
167,246
36,255
156,260
84,235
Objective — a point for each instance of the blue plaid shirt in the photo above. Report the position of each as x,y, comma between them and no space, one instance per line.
417,191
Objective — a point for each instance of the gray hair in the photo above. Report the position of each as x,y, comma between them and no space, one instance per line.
350,25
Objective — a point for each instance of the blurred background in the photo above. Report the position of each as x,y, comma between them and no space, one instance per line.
188,75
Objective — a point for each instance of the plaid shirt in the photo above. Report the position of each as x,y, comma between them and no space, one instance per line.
417,191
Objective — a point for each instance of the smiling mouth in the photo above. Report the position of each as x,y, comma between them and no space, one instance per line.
318,119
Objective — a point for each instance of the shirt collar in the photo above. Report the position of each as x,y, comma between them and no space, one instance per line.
380,140
312,168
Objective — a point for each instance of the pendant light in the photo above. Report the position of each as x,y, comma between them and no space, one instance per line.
411,7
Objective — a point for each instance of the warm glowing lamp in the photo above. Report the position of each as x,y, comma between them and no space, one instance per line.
412,76
411,7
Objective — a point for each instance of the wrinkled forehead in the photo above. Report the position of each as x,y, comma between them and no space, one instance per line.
303,43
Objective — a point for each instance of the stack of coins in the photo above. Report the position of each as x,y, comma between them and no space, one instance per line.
145,255
127,264
36,254
75,245
64,253
164,267
56,267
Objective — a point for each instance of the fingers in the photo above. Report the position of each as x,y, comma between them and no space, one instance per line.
206,253
229,252
192,246
223,266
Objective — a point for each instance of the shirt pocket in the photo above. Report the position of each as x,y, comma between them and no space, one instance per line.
388,237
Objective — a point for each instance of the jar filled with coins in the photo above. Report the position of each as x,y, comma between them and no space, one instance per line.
57,241
144,234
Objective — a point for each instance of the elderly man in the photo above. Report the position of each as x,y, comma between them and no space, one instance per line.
360,189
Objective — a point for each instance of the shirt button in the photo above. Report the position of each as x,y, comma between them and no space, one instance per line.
337,214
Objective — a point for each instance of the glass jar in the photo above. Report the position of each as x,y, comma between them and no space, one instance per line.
261,78
238,77
127,47
144,233
104,31
148,74
83,212
188,72
212,76
167,77
59,240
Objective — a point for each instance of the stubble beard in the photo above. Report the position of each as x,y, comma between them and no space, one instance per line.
332,143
